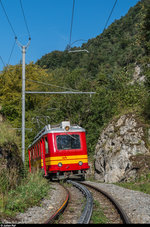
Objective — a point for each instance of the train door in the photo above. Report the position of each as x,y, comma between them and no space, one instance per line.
43,161
29,155
46,147
47,153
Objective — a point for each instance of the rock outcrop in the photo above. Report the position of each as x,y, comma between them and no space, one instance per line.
1,116
138,77
121,150
11,165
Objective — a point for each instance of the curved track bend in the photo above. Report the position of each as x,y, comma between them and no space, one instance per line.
86,212
85,215
123,216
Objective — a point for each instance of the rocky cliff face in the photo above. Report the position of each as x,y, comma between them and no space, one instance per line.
121,150
11,165
1,117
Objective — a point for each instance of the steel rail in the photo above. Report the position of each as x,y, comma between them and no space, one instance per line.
87,212
60,209
122,213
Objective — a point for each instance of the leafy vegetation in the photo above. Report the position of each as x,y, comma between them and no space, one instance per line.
31,190
119,45
107,69
18,189
141,184
98,216
8,134
10,160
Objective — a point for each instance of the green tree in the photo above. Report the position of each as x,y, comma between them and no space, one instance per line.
11,90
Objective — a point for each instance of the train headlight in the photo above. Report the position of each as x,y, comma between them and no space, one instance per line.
67,128
80,163
60,164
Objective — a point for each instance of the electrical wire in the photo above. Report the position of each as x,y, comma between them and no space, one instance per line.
72,22
16,41
15,36
79,40
2,61
70,44
8,19
110,15
25,19
11,52
51,85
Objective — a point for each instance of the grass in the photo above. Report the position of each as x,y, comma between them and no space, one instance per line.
8,134
142,184
31,190
98,216
19,189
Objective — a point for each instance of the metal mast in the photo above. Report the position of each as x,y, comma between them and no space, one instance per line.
23,103
23,49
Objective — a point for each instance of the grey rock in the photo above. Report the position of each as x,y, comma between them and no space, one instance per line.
120,140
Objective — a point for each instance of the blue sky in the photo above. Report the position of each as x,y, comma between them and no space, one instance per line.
49,24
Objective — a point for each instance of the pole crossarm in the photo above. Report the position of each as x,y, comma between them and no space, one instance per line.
63,92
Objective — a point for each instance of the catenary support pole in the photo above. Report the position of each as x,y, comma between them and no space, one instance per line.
23,50
23,103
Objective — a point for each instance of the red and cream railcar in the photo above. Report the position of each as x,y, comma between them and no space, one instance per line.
60,151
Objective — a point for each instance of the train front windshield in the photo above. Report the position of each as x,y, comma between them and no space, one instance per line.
68,142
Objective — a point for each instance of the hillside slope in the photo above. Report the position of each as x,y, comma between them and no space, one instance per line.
118,46
108,69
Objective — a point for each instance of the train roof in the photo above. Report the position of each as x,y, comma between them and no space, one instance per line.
63,127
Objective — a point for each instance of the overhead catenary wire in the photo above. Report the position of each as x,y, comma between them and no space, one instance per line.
25,19
72,18
13,30
79,40
9,22
70,44
2,61
110,15
8,19
11,52
9,56
39,82
6,65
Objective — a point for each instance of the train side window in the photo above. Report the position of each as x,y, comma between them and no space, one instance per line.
46,145
39,149
33,153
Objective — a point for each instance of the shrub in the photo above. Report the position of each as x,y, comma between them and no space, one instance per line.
31,190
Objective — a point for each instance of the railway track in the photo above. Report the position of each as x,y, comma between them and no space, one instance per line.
88,207
79,211
112,209
60,209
